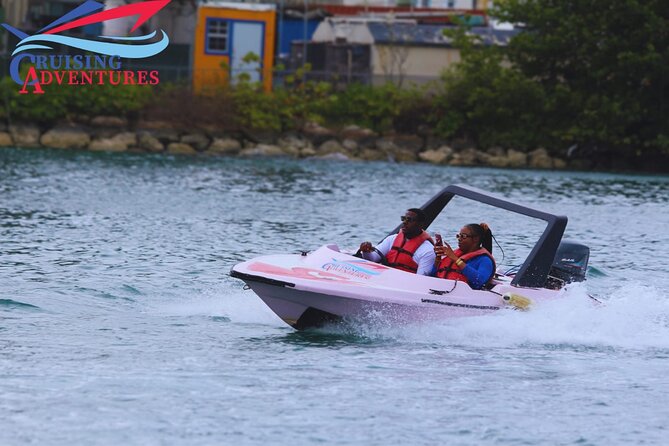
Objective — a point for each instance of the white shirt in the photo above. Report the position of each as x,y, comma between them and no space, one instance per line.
424,255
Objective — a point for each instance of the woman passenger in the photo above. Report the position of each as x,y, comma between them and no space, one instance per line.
472,262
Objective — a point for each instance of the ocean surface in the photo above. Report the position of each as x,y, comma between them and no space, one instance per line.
120,324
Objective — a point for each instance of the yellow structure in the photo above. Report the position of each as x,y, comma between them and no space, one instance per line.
225,35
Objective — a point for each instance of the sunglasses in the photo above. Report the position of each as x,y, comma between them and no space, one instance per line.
408,219
463,236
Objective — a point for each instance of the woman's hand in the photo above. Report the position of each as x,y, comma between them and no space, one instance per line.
445,251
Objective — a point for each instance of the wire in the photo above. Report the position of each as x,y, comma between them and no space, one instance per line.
512,269
500,248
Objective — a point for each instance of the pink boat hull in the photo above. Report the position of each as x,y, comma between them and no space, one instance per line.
328,285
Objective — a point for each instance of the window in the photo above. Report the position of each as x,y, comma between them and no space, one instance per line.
217,36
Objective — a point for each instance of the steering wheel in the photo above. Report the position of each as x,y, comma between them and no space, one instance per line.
383,261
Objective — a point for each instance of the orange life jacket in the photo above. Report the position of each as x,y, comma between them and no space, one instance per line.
449,270
401,254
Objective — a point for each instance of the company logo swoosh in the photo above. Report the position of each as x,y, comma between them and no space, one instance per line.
41,41
89,13
145,10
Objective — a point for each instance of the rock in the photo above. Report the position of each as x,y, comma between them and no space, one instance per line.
267,137
540,159
498,161
316,133
496,151
150,143
103,132
109,121
412,143
559,163
307,152
6,140
368,154
224,146
466,157
483,158
296,147
386,145
331,146
66,138
350,145
263,150
393,152
362,136
516,159
439,156
119,143
166,136
197,140
291,151
25,135
334,156
433,157
127,138
403,156
107,145
180,148
155,125
293,141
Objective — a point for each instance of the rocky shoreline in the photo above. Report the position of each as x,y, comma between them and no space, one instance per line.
112,134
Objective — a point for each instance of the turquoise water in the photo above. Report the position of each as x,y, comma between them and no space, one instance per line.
119,323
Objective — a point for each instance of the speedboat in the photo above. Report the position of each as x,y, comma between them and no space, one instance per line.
327,285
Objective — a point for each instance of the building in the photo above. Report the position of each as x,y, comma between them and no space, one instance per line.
233,39
403,50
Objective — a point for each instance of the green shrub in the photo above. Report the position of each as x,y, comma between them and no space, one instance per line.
373,107
285,108
484,100
61,101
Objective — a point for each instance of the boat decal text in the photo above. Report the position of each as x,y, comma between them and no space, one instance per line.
299,272
350,268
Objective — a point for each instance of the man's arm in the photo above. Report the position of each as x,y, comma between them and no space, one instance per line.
424,257
384,247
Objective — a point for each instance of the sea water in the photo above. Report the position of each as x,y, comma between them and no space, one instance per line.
119,323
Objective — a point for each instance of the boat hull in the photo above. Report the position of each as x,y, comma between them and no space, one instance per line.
306,309
330,286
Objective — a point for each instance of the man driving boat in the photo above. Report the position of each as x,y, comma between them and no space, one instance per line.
409,250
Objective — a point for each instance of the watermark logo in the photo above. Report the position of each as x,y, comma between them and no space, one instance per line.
101,61
356,268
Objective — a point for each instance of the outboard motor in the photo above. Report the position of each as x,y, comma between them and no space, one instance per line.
570,264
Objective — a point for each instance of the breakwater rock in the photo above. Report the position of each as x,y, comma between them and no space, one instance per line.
112,134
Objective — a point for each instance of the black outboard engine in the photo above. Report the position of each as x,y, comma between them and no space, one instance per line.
570,264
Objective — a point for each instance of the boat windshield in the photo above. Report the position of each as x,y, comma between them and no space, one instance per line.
514,234
516,226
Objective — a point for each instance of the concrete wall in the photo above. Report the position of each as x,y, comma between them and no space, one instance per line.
421,64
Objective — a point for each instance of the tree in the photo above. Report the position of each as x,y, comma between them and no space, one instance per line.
604,67
486,101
